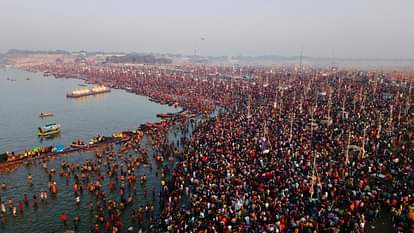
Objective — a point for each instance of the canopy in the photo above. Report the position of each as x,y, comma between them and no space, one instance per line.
59,148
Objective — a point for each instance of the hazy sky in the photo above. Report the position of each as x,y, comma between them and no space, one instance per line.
345,28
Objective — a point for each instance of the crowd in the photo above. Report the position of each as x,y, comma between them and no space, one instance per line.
310,151
109,183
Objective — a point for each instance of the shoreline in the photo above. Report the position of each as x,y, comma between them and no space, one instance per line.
10,166
267,139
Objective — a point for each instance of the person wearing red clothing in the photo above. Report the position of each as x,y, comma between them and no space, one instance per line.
20,206
64,218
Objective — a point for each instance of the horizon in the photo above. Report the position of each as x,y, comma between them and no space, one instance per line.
352,29
277,56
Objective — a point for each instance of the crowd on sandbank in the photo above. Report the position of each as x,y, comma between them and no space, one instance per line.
317,151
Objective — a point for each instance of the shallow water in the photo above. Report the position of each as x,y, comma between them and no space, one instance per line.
20,103
45,218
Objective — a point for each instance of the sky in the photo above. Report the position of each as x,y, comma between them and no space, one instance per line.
321,28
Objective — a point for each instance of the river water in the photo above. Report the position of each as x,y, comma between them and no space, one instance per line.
21,102
23,95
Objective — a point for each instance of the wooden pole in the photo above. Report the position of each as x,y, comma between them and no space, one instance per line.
329,106
399,115
363,142
313,174
390,119
291,127
408,102
379,126
347,148
249,106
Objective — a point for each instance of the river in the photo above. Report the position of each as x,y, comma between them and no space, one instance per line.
23,95
26,94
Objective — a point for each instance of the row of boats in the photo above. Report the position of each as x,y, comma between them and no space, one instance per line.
173,116
54,128
38,152
12,159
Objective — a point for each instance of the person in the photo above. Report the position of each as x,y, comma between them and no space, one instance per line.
64,218
20,206
42,198
14,211
25,199
30,179
34,201
53,187
3,207
45,195
130,229
77,200
76,222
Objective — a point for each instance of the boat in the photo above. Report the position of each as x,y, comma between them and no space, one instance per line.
166,115
12,159
154,100
156,125
49,129
86,91
46,114
79,144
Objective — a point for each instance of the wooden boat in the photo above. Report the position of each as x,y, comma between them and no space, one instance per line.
46,114
11,160
166,115
49,129
79,146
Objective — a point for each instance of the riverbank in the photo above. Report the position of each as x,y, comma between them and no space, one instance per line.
138,172
150,159
323,150
81,119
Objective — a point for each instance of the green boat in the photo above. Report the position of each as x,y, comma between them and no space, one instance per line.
49,129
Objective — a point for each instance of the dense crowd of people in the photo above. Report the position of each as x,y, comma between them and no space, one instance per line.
289,151
111,178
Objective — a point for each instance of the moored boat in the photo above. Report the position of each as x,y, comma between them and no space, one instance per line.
166,115
49,129
46,114
85,91
79,144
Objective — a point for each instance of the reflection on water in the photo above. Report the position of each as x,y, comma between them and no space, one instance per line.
49,138
21,102
85,99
